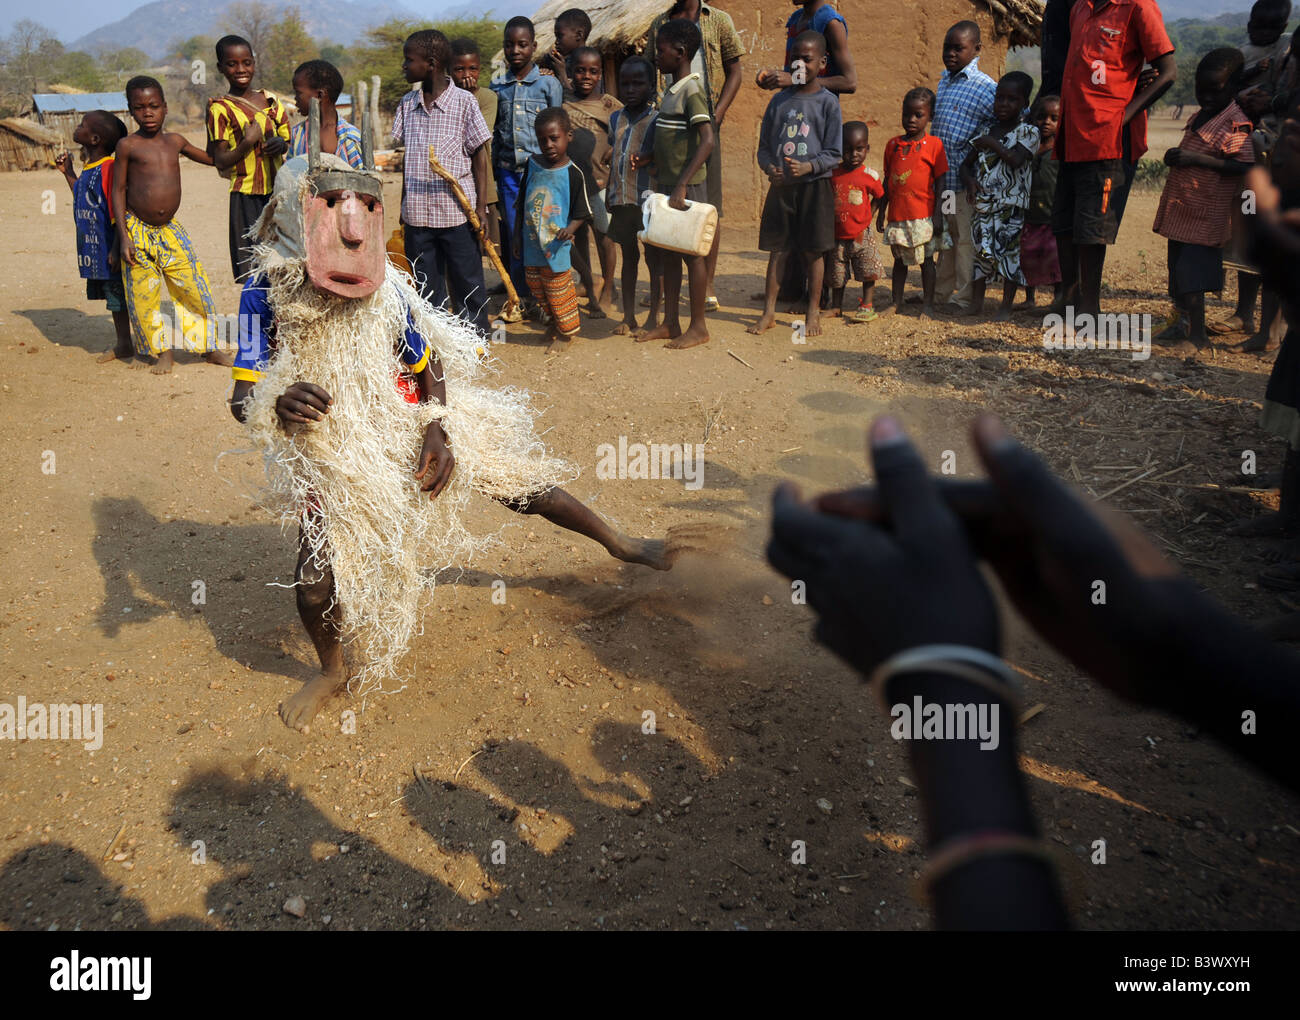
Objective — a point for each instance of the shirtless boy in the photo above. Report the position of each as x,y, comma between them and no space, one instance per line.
155,247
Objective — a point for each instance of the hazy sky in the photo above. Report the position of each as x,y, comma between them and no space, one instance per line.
71,19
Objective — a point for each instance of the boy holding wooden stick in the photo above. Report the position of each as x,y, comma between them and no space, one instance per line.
445,120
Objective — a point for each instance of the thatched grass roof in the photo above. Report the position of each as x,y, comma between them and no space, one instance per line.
32,131
622,24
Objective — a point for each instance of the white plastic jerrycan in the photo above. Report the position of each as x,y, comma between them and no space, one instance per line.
689,231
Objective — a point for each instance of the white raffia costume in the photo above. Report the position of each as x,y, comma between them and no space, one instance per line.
348,480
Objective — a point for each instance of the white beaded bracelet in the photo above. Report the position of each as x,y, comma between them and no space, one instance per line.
973,664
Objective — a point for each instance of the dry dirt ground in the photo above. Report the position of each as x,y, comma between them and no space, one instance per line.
523,721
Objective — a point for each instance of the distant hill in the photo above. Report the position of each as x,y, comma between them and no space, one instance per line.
1203,10
156,27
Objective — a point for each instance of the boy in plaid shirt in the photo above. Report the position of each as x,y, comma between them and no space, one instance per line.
963,111
440,244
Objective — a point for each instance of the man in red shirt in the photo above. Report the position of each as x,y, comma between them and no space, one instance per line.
1102,130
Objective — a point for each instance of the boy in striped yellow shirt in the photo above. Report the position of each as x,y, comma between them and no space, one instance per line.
248,135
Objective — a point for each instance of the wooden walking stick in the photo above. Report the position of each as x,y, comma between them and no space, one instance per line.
510,311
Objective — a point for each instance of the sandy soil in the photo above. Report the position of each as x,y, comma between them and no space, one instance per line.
523,722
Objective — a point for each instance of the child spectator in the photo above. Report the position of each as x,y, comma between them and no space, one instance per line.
248,135
552,206
589,111
915,164
98,258
155,247
466,65
683,142
856,254
963,110
1265,57
997,176
839,75
440,244
717,62
1195,211
631,134
1101,132
1038,256
571,30
798,147
319,79
522,93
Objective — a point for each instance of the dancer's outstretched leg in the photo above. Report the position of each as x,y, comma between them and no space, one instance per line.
558,507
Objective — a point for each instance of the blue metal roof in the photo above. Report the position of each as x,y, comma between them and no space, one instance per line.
79,102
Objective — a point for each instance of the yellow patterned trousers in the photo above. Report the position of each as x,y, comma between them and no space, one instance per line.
166,255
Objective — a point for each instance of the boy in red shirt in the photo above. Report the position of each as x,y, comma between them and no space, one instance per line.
1101,131
914,164
855,253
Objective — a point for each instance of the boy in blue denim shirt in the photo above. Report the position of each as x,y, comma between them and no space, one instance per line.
522,93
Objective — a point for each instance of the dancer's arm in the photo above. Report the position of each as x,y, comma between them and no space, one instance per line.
436,461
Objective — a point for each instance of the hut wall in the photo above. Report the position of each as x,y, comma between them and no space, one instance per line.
19,153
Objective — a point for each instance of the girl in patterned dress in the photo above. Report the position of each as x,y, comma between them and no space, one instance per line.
997,175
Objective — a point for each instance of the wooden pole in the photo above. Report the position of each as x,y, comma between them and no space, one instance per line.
512,296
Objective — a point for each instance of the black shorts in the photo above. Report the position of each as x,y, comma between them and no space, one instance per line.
798,217
244,211
714,170
1194,269
624,224
1090,199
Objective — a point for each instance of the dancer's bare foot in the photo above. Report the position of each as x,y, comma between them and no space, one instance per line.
298,711
972,312
927,312
812,325
219,358
764,323
625,328
887,310
164,364
660,332
1004,315
649,552
693,337
116,354
594,311
561,343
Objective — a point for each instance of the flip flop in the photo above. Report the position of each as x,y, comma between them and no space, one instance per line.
864,313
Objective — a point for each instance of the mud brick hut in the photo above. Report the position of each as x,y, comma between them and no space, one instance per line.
896,46
25,145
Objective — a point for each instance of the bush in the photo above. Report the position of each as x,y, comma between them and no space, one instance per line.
1151,173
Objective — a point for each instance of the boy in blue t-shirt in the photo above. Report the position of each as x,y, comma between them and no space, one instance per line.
98,259
552,206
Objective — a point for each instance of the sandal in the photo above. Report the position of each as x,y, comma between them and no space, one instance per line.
864,313
711,304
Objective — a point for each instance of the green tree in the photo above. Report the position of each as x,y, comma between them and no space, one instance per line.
287,46
118,66
78,69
